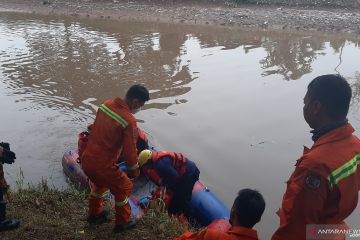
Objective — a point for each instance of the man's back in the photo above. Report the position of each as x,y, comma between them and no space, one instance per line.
113,123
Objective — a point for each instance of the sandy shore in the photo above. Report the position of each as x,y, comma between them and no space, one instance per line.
336,19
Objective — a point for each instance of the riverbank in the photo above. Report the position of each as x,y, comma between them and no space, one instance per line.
52,214
295,15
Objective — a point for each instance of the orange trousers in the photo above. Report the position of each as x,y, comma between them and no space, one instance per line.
120,186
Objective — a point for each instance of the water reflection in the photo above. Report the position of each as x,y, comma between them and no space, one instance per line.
356,88
62,64
291,58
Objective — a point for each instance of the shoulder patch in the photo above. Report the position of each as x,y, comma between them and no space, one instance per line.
313,182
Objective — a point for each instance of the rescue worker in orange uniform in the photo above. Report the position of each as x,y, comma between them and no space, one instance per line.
142,143
177,173
6,156
246,211
114,132
323,189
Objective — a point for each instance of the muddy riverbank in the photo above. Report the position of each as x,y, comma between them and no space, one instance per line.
339,17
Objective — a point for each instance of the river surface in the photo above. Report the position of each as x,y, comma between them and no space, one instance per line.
230,99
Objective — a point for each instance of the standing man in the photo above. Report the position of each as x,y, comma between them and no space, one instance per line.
114,132
177,173
6,156
324,186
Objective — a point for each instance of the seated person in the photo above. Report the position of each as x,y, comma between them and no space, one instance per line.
177,173
246,211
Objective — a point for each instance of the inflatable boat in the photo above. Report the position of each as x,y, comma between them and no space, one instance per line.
207,208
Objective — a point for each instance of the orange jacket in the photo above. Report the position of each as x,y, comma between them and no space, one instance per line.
178,160
324,187
111,135
235,233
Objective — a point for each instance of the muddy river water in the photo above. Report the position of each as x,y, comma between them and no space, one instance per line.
230,99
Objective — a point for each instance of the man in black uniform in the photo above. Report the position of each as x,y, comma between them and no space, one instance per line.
6,156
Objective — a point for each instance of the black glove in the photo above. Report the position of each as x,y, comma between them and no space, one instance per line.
8,157
5,145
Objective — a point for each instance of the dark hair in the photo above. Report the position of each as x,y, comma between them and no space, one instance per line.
139,92
249,206
333,92
141,145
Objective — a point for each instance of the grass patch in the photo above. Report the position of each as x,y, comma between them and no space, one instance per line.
47,213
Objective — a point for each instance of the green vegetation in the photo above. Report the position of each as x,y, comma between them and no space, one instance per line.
47,213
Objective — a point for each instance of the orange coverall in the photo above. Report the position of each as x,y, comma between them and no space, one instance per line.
235,233
113,132
324,187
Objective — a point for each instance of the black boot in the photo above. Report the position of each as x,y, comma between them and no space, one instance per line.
6,224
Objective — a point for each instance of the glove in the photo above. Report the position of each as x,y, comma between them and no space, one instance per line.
134,173
8,157
5,145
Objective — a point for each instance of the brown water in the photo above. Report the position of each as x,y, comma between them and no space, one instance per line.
231,100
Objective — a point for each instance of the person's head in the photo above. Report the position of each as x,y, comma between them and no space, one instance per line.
247,209
144,157
327,100
136,97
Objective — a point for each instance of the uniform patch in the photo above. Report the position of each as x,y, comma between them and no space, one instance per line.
312,182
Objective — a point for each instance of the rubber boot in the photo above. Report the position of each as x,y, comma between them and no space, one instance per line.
124,227
98,218
6,224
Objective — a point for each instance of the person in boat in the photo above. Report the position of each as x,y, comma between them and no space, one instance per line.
323,189
247,209
6,156
113,133
177,173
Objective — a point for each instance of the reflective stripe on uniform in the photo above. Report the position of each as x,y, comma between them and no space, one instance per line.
344,171
114,115
122,203
98,195
133,167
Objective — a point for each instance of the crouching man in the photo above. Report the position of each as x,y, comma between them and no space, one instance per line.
177,173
